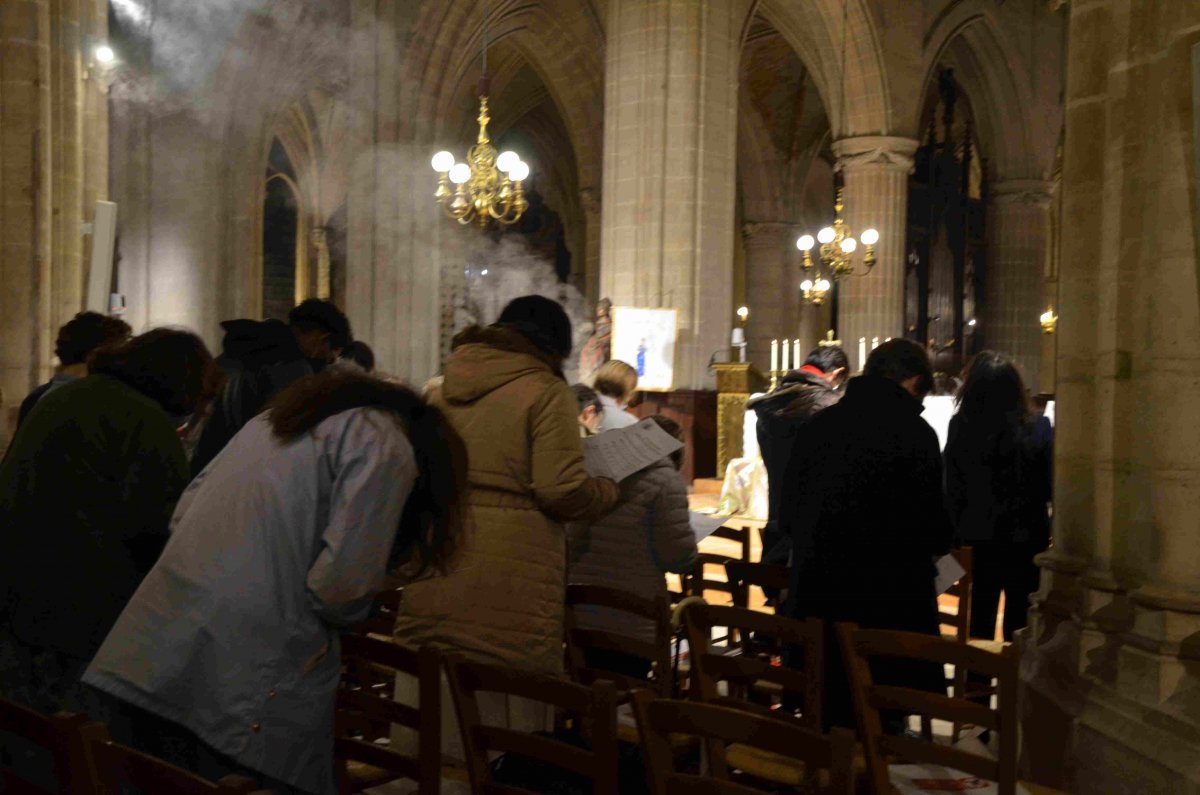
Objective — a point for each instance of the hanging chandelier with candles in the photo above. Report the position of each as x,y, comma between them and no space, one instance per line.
838,255
488,186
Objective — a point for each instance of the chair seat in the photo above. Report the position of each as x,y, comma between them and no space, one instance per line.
994,646
765,764
768,766
360,776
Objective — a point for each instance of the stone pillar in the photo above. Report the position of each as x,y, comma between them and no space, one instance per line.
772,294
320,242
589,201
669,165
25,225
875,171
1018,226
1112,686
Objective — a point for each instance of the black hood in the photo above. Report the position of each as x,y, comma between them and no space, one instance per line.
791,387
257,343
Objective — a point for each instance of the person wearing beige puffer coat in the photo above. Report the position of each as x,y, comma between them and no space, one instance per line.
503,392
648,534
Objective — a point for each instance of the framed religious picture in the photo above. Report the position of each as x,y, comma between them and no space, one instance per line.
645,338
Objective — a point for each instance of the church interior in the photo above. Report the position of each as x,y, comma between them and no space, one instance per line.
776,175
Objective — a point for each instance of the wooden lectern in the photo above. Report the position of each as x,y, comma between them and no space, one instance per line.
736,381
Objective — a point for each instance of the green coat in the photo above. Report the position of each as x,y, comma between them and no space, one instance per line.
87,489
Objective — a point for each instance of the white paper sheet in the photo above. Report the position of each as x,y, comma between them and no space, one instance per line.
619,453
705,524
908,780
949,571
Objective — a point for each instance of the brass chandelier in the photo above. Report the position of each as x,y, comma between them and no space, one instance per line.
839,246
488,186
837,255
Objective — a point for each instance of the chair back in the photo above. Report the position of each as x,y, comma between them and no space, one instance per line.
367,711
384,611
58,736
860,647
593,708
959,621
581,639
743,575
118,767
701,580
719,727
779,661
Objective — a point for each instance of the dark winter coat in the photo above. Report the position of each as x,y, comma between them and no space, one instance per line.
781,414
259,359
86,491
1000,493
865,512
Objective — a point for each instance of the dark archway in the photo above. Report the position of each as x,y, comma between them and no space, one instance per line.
280,236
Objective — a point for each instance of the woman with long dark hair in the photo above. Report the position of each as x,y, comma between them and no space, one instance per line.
998,487
86,492
227,656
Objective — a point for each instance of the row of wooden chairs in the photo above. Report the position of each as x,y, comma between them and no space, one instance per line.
83,760
745,700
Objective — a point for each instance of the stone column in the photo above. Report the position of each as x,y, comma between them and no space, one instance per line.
320,243
589,201
669,144
1018,226
1109,659
25,225
875,171
772,294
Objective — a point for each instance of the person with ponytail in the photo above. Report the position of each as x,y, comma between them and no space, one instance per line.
226,660
998,489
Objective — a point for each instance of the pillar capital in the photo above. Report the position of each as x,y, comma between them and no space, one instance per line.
875,151
1037,192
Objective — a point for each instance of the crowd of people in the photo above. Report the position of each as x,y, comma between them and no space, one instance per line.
182,537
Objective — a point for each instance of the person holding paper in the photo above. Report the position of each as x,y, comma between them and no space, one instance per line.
866,515
998,487
648,534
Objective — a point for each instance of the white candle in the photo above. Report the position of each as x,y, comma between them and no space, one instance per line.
739,335
774,355
862,352
796,353
783,357
874,343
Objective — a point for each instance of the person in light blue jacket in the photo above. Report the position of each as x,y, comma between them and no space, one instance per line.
226,660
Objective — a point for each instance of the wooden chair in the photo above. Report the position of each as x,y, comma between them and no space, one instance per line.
59,737
366,712
861,646
594,710
776,670
722,728
118,766
755,675
699,583
959,621
744,575
384,611
581,640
